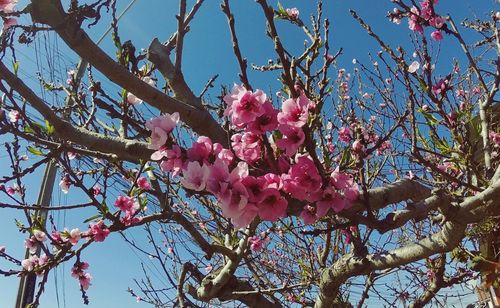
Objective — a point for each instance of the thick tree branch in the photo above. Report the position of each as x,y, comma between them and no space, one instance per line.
124,149
159,55
51,12
472,209
392,193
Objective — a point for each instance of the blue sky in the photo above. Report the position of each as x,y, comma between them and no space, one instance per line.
207,52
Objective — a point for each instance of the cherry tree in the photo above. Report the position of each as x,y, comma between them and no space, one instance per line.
338,179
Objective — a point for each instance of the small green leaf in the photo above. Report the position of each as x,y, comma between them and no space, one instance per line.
281,9
149,168
35,151
92,218
15,66
50,128
431,120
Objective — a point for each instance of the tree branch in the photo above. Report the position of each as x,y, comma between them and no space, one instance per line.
51,12
130,150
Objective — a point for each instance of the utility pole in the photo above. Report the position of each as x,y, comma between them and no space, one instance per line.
27,284
26,290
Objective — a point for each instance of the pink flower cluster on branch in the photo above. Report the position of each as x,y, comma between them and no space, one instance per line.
78,272
421,17
235,177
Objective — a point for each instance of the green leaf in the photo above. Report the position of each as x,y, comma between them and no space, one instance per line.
28,130
15,66
50,128
281,9
422,85
346,157
92,218
431,120
35,151
104,208
149,168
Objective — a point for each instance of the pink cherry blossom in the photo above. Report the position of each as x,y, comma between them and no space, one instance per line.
30,263
293,138
40,235
244,106
78,272
84,280
386,145
78,268
327,201
42,260
74,236
64,184
126,204
218,179
341,180
160,127
129,219
142,183
246,216
247,146
358,147
257,243
437,35
351,193
96,190
273,205
31,244
200,150
234,200
494,137
195,176
173,161
308,214
14,116
7,6
233,195
56,237
437,22
345,134
273,181
132,99
10,191
293,13
295,111
414,66
265,122
226,156
255,187
440,87
413,23
303,181
99,231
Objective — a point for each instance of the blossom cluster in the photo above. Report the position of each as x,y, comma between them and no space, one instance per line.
78,272
420,17
264,138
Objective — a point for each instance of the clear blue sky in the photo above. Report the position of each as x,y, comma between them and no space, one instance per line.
207,52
